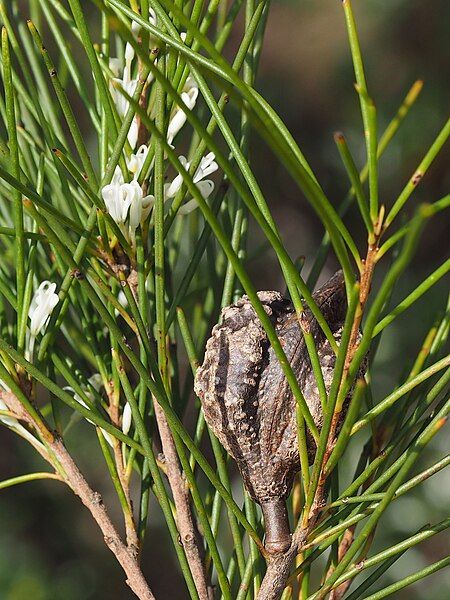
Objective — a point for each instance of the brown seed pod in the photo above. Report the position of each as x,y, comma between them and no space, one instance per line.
248,403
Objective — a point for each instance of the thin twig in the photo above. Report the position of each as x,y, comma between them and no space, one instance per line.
189,535
91,499
130,525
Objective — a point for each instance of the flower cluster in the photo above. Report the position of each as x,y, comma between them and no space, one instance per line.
125,201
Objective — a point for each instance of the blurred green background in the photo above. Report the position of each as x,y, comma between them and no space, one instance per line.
49,547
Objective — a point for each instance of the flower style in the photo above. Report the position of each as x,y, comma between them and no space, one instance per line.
178,119
41,307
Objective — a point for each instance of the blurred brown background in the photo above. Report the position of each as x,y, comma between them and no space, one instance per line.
49,547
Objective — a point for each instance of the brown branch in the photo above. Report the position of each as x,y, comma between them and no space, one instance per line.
189,535
91,499
364,291
130,525
279,565
345,544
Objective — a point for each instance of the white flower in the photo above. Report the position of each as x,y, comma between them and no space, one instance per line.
41,307
178,119
126,418
171,189
126,199
206,187
122,300
136,160
127,85
139,207
207,166
129,50
152,21
117,196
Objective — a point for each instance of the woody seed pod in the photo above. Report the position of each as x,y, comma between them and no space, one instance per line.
247,400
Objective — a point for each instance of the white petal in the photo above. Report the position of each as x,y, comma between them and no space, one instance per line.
41,306
114,201
10,421
136,160
115,65
188,207
117,178
175,124
127,85
135,27
131,195
190,97
206,188
129,50
126,418
206,167
108,437
96,381
129,53
3,386
133,133
171,189
190,83
147,205
179,117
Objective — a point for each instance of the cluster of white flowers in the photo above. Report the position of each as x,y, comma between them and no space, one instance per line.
125,202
